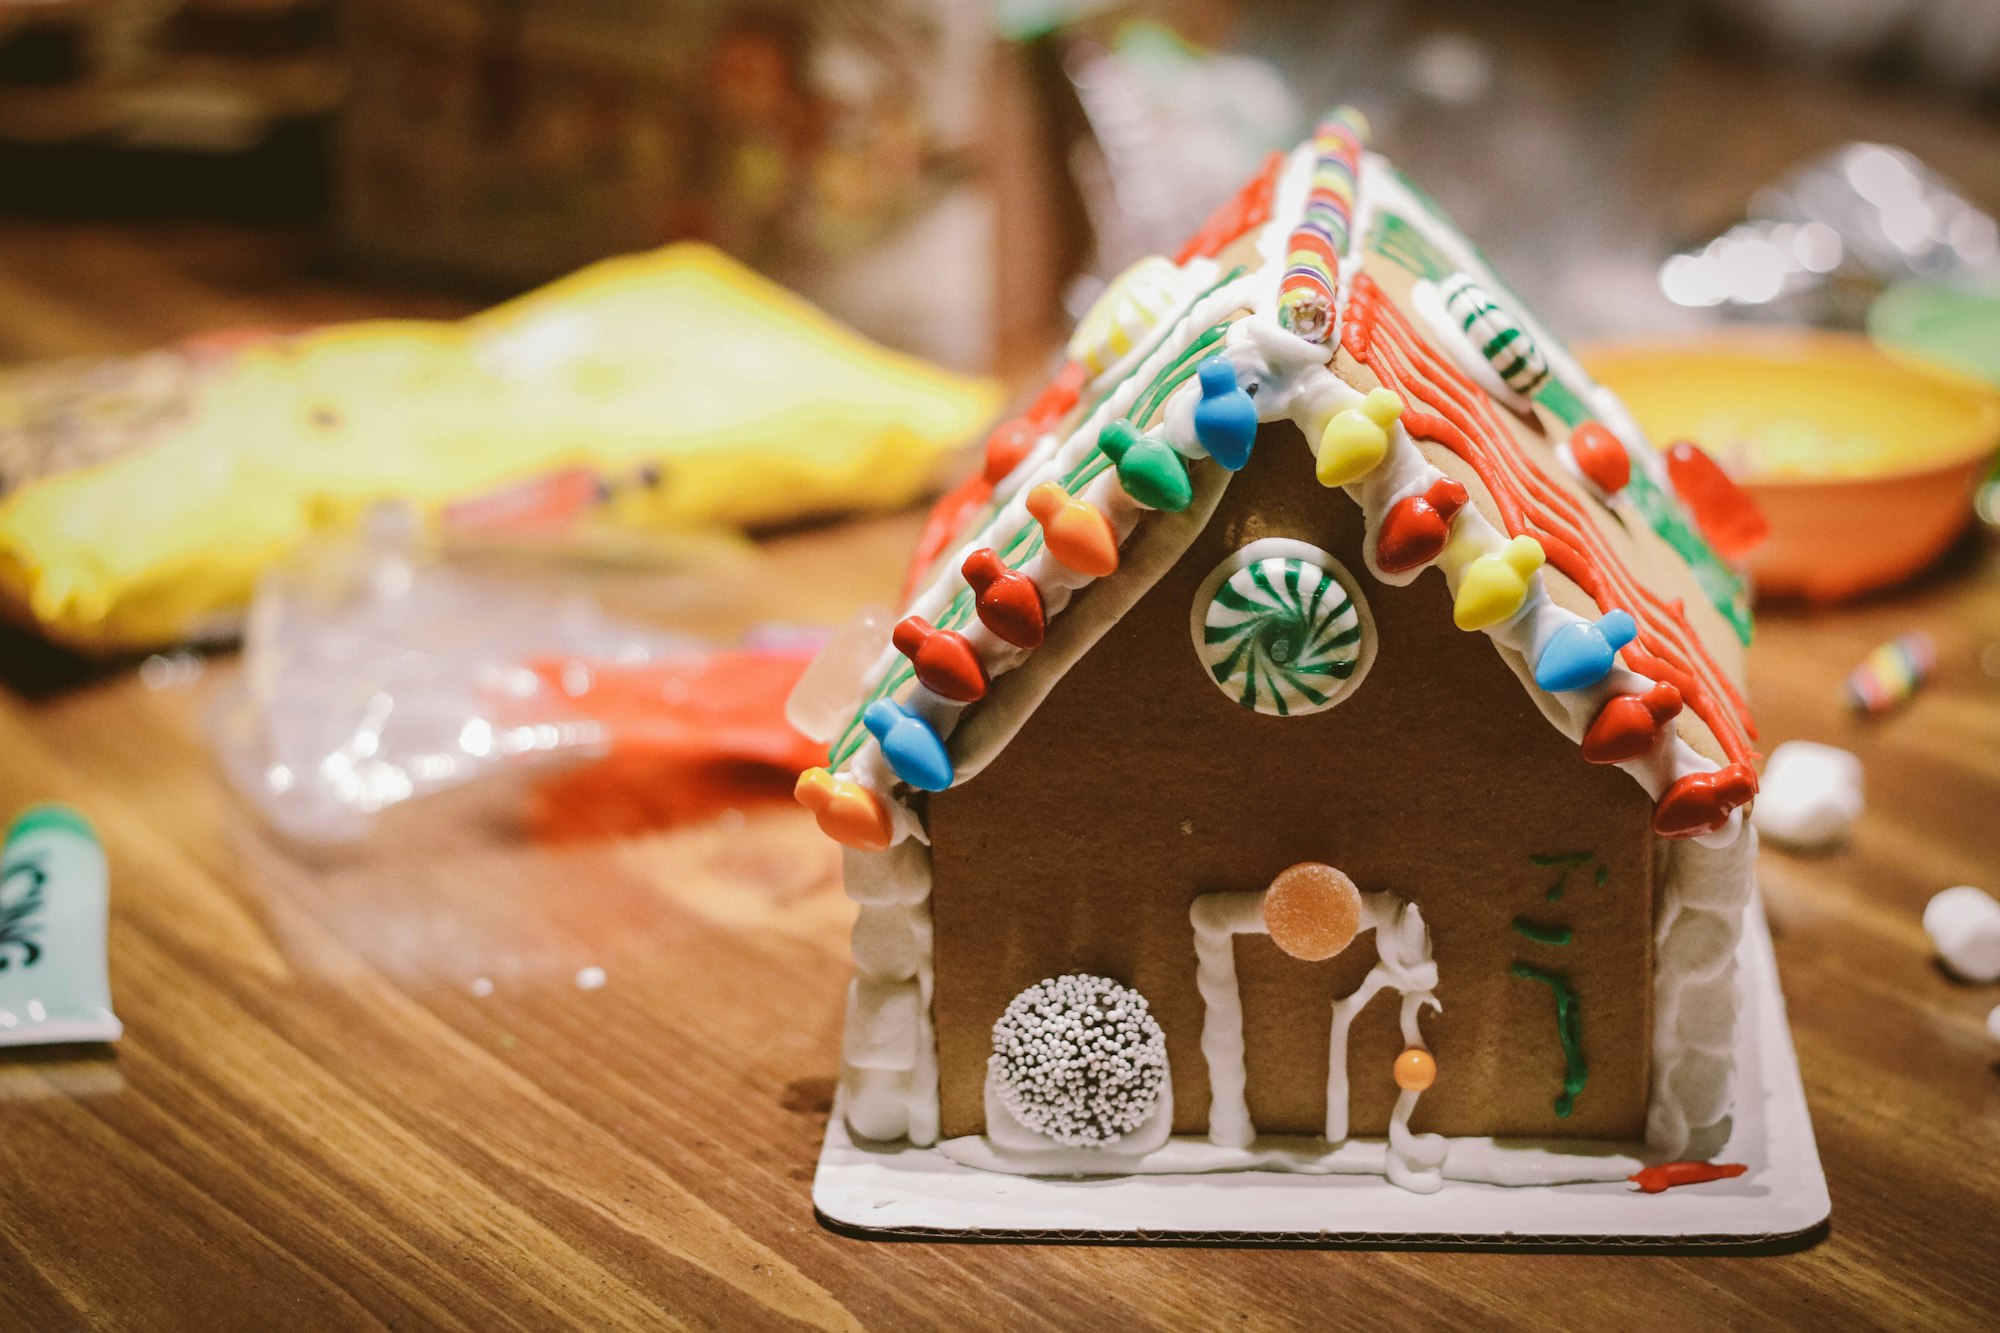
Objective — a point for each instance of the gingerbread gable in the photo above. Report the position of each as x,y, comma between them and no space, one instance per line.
1498,460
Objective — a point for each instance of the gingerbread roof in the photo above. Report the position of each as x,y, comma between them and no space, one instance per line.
1332,294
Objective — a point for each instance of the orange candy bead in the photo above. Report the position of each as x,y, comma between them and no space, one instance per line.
1077,534
1415,1070
1312,911
848,812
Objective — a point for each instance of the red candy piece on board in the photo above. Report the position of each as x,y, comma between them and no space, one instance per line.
944,661
1006,447
1417,526
1629,725
1250,208
1658,1179
1006,599
1701,802
1724,512
1600,456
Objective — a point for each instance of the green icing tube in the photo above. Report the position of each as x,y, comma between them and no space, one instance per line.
54,896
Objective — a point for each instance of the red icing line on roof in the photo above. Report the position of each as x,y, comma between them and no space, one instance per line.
1250,208
1674,624
1460,417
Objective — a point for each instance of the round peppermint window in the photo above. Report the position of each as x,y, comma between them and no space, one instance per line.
1281,628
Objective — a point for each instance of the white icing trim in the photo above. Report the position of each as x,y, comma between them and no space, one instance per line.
1695,1004
889,1048
1488,1161
1404,962
1218,918
1284,548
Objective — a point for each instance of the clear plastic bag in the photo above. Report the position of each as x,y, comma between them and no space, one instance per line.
371,677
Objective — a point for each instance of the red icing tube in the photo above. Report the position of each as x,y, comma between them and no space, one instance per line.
1661,1178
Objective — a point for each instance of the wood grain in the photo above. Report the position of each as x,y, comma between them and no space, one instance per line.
314,1120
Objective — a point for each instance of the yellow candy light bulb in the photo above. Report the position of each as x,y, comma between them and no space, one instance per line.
1356,440
1495,585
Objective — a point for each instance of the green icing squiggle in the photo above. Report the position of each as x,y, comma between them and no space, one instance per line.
1569,1028
1542,932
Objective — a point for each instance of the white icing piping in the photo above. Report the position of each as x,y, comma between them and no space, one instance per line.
889,1049
1218,919
1485,1160
1403,953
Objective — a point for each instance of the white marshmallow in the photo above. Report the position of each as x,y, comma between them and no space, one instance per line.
1964,924
1993,1022
1809,795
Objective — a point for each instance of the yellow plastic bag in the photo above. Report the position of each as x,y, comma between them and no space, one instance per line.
696,393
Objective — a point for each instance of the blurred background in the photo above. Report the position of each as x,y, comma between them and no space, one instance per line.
407,343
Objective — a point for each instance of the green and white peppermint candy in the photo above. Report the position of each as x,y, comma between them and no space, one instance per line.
1495,333
1280,630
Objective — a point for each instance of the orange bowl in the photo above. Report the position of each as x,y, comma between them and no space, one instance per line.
1864,464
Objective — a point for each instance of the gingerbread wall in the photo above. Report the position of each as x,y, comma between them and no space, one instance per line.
1136,786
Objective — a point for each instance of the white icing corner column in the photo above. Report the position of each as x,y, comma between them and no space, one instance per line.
888,1050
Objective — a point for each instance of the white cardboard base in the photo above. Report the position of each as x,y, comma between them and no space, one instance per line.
902,1192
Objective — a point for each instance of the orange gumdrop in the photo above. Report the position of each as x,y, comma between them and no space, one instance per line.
1415,1070
1312,911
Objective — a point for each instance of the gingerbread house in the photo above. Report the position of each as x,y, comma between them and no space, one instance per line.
1315,741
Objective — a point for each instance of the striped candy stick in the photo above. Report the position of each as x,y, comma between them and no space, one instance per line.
1312,255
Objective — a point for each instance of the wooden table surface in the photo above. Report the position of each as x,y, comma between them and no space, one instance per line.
315,1118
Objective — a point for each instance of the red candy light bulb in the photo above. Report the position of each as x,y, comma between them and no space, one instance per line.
943,660
1007,446
1007,600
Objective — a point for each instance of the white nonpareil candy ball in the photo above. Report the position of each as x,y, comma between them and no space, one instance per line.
1964,924
1080,1059
1808,796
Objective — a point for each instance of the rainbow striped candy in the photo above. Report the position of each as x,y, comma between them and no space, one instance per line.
1312,255
1890,675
